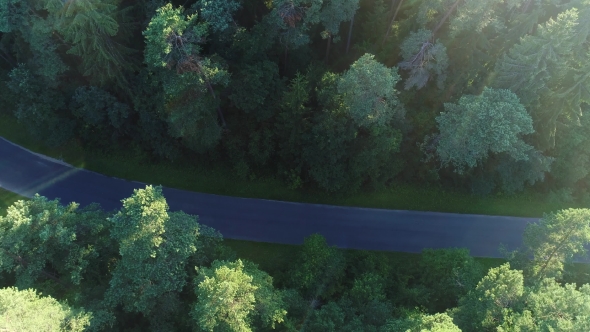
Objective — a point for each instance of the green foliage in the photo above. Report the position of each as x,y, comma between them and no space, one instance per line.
40,108
231,294
554,307
422,323
474,16
154,246
502,303
152,133
554,241
25,310
448,274
43,240
101,114
492,122
424,58
514,174
496,295
172,41
334,12
195,123
256,88
548,75
218,13
368,92
430,11
294,18
572,153
367,288
91,27
291,124
317,267
329,318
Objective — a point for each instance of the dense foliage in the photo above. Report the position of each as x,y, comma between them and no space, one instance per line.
336,95
146,268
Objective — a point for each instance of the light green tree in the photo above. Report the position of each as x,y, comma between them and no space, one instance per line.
368,92
554,240
556,307
43,240
498,294
477,126
502,303
422,323
154,248
27,311
231,295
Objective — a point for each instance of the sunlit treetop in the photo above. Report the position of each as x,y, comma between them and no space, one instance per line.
493,122
368,91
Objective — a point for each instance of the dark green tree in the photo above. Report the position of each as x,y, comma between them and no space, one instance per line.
448,274
332,15
318,267
549,72
41,108
218,14
91,28
173,41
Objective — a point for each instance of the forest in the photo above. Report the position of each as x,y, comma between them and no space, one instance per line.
145,268
487,98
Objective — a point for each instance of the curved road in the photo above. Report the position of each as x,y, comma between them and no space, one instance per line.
26,173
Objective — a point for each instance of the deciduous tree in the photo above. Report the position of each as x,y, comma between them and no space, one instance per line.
232,294
25,310
44,240
368,92
475,127
154,248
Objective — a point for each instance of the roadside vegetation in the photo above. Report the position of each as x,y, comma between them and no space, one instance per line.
188,175
461,106
76,270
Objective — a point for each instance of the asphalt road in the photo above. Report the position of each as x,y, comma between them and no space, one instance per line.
26,173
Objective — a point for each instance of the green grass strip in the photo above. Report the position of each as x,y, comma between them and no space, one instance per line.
134,166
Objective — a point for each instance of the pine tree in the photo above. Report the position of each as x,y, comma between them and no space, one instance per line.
91,27
550,72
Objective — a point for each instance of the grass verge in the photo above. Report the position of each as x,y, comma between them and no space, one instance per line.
133,166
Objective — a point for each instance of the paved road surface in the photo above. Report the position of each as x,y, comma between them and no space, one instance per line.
26,173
